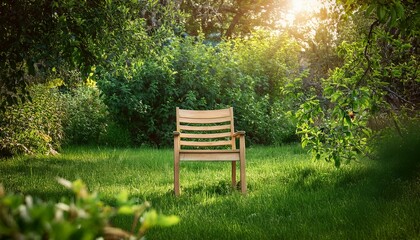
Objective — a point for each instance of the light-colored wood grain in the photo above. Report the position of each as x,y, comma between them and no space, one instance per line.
204,120
203,129
205,144
206,135
210,156
204,113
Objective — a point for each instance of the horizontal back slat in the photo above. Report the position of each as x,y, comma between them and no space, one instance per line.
207,135
204,113
204,120
205,144
204,128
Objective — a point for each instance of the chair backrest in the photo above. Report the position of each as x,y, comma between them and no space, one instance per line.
205,128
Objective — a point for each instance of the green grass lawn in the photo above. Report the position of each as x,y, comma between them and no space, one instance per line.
289,196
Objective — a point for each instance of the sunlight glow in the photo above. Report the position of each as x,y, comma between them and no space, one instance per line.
297,7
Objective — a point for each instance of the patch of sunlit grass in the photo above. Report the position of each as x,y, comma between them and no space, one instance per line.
289,196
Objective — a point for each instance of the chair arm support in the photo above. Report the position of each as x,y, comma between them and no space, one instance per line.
176,133
239,134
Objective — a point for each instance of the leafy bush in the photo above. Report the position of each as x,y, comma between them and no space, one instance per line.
32,126
85,217
138,95
189,74
115,135
86,115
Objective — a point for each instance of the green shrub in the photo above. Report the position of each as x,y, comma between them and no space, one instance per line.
85,217
86,115
189,74
140,96
33,126
115,135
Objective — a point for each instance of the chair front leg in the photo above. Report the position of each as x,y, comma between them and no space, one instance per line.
242,163
176,163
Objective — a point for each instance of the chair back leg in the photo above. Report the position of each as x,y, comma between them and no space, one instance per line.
234,174
176,173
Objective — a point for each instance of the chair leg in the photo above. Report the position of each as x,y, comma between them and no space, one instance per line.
242,168
234,174
243,177
176,175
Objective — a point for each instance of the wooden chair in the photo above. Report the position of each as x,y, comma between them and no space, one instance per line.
201,135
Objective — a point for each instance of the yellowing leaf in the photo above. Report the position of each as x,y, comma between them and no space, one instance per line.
125,210
167,221
122,197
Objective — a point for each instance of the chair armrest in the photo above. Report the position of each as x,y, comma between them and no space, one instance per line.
176,133
239,134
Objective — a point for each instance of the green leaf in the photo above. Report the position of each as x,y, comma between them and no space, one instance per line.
366,131
152,218
370,9
122,197
393,16
399,9
380,12
347,120
149,219
61,230
78,186
304,142
337,160
335,96
167,221
125,210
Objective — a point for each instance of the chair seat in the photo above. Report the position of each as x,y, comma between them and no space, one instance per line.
209,155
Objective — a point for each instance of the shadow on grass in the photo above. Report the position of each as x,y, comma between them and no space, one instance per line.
222,188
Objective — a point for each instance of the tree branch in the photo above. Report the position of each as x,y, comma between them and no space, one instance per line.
233,24
398,96
365,52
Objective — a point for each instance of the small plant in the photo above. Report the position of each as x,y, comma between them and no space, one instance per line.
85,217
